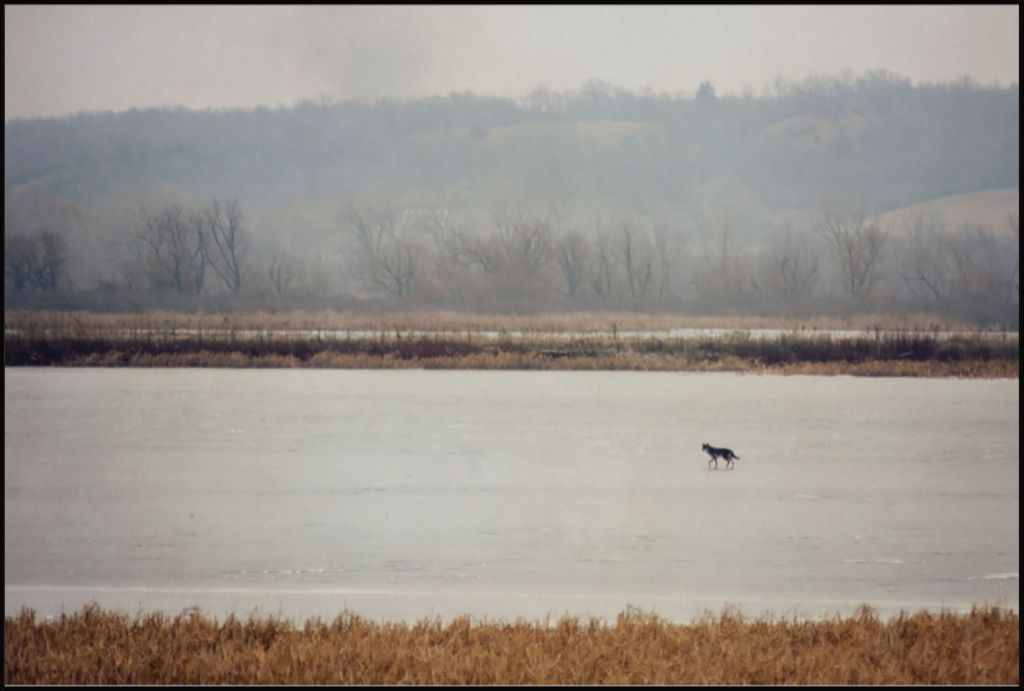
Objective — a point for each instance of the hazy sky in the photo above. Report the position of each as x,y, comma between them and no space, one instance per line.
63,59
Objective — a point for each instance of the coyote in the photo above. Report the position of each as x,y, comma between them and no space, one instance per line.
726,454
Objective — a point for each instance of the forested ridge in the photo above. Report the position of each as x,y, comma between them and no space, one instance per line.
764,203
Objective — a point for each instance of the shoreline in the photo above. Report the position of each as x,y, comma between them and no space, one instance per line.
630,342
860,357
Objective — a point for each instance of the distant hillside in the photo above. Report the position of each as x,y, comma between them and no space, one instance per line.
876,139
990,209
815,130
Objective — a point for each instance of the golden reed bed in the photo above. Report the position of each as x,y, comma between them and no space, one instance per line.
98,647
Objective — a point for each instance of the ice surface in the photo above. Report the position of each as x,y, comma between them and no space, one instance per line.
404,494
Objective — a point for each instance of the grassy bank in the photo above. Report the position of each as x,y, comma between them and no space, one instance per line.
580,342
71,322
98,647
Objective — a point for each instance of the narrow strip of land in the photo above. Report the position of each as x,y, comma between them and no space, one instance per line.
449,342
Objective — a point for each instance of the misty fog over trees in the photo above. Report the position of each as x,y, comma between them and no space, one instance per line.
776,203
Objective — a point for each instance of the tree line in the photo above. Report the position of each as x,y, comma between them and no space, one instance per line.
839,260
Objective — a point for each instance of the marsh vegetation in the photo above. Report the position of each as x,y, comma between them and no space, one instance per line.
456,341
93,646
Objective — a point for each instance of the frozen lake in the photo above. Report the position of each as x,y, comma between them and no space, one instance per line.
408,494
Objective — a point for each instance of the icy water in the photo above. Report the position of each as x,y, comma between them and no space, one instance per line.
411,494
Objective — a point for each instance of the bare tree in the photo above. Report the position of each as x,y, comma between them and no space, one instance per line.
856,243
484,252
665,238
174,255
972,271
51,256
19,261
602,268
279,270
223,241
987,267
787,274
385,250
928,264
525,240
36,234
637,260
516,255
34,261
452,255
797,272
572,254
131,270
720,279
446,232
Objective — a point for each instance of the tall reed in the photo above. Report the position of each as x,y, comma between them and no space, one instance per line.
98,647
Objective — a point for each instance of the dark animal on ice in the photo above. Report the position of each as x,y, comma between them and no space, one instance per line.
725,454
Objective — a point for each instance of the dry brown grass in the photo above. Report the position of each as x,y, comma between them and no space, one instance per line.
454,322
970,369
461,341
97,647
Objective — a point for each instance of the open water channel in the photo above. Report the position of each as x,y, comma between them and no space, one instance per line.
407,494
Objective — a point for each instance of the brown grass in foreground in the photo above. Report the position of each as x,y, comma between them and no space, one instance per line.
97,647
